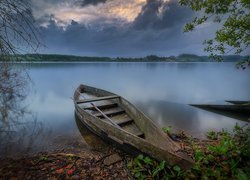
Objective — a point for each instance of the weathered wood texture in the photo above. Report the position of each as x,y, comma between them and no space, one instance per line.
95,99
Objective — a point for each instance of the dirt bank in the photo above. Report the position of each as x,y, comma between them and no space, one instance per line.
66,165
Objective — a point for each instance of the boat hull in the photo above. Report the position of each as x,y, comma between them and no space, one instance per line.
104,136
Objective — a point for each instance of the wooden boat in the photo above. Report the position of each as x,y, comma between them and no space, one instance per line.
238,102
116,120
236,108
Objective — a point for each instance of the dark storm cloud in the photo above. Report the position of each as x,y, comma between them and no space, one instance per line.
90,2
160,15
79,2
158,29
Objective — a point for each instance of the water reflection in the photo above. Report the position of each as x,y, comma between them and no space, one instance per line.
182,117
22,139
18,126
144,84
161,90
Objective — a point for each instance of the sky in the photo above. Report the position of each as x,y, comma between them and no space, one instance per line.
118,28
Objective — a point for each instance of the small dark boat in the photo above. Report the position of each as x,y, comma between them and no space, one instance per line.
116,120
240,109
239,102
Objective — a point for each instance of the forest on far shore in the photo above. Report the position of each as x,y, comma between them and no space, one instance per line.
150,58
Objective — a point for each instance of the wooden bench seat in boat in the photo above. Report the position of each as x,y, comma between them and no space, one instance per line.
96,99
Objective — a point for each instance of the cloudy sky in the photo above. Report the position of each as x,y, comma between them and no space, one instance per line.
128,28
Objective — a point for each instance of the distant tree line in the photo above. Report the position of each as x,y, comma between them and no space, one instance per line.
150,58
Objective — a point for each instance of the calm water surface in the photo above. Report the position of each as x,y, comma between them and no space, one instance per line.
161,90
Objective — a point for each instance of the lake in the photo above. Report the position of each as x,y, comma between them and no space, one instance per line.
161,90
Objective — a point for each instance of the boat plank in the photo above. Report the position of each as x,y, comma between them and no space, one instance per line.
121,119
133,129
104,106
109,112
104,115
96,99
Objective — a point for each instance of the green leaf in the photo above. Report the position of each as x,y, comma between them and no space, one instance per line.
162,165
140,157
199,155
138,174
159,168
147,160
167,129
241,175
177,168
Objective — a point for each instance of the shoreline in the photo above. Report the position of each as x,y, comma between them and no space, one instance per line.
115,164
69,165
82,62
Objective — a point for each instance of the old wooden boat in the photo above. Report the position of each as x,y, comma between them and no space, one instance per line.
116,120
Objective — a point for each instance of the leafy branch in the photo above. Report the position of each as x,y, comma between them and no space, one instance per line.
234,15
